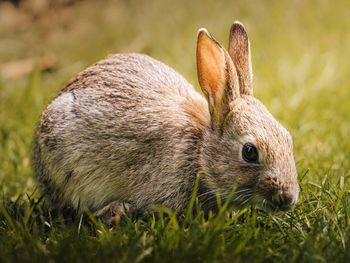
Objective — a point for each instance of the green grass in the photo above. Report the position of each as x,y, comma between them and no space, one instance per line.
301,62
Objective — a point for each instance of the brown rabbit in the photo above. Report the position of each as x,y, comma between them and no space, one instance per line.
129,132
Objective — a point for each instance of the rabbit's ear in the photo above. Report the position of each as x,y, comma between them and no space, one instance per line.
217,77
239,50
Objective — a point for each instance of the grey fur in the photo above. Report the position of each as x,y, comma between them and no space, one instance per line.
131,129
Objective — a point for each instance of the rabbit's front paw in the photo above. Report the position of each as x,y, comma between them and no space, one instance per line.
113,212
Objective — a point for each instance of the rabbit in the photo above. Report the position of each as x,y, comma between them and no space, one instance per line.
129,133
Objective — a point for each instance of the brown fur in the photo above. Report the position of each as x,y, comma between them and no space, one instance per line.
130,130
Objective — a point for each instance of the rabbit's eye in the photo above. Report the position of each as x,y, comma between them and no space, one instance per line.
250,153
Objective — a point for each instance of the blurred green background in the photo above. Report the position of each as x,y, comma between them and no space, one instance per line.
300,54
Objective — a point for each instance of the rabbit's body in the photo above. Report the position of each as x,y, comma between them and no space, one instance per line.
129,132
125,129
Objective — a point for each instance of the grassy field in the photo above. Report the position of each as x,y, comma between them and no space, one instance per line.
300,53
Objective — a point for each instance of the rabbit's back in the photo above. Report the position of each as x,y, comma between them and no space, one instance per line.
122,130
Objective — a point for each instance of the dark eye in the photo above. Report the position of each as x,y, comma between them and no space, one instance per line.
250,153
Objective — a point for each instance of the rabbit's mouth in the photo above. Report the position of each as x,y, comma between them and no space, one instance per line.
269,206
246,196
262,200
274,202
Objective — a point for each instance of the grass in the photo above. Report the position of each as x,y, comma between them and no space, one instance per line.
300,58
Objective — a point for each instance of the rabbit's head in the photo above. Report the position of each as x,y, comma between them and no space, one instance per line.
246,147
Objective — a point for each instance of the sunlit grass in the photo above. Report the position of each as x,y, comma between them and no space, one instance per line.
300,59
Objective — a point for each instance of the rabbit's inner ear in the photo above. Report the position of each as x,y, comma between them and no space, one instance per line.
217,77
239,50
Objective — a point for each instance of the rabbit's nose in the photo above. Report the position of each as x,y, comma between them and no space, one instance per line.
284,200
